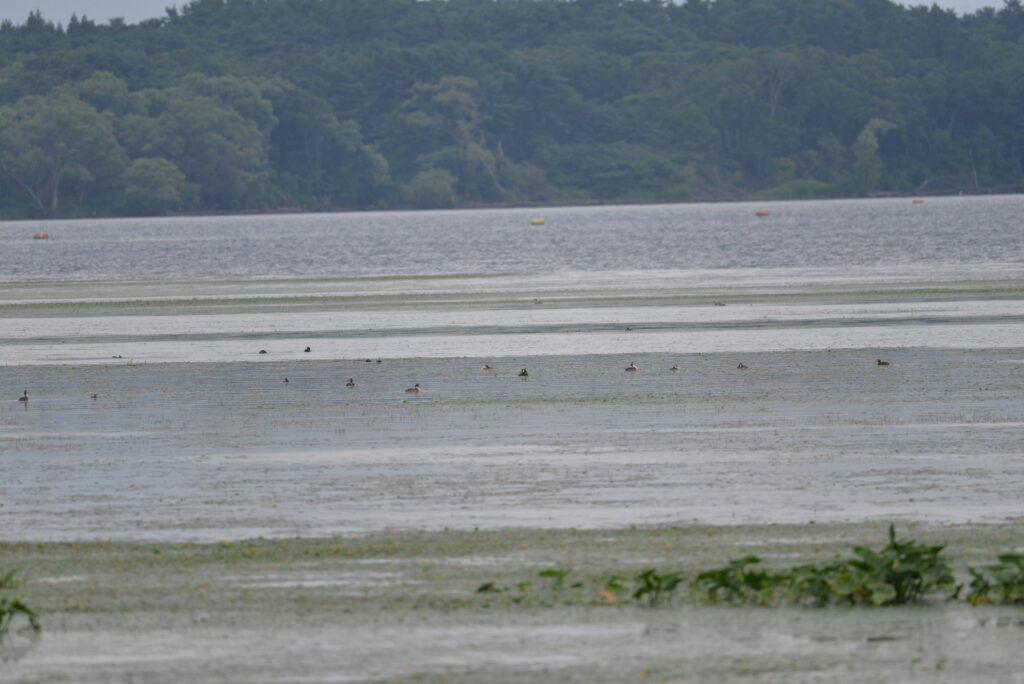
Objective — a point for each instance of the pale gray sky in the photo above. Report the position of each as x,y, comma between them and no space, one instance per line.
137,10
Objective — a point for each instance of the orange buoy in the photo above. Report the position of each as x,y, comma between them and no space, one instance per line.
919,201
760,213
40,236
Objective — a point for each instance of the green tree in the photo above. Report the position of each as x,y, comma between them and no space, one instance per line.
155,186
867,165
58,144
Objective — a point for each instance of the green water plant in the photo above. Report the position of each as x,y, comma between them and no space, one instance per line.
13,608
742,581
999,583
654,586
902,572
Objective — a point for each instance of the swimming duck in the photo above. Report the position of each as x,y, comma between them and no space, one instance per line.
352,383
415,389
674,368
742,366
523,373
24,397
307,349
880,362
632,366
487,366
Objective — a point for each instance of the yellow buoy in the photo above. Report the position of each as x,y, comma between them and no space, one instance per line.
536,222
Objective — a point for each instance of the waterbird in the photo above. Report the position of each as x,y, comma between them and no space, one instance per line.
632,366
415,389
24,397
286,379
93,396
880,362
378,360
674,368
307,349
523,373
487,366
742,366
369,360
263,351
351,383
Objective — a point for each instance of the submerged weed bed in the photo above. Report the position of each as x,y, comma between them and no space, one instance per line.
574,605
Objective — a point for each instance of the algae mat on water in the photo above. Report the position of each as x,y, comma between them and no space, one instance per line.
404,607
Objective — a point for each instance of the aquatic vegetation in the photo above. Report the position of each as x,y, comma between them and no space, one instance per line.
1000,583
737,583
13,608
901,572
654,585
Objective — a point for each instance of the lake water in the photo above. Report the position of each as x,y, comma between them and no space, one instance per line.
194,434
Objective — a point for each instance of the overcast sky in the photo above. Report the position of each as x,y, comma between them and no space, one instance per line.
136,10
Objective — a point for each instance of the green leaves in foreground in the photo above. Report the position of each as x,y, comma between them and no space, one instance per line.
1002,583
901,572
11,609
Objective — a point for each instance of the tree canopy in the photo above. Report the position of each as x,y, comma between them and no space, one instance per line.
245,105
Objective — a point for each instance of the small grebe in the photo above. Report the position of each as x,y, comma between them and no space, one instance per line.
880,362
487,366
415,389
674,368
351,383
523,373
307,349
742,366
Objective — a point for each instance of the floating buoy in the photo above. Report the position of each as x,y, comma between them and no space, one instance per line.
536,222
919,201
760,213
41,236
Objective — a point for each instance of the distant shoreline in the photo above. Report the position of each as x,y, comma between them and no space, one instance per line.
284,211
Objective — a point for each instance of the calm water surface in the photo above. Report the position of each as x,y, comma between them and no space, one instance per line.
841,233
195,435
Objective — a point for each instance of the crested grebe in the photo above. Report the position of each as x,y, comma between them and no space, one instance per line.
632,366
24,397
523,373
880,362
351,382
742,366
415,389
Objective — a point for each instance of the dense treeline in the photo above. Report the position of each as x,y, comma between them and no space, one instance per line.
227,105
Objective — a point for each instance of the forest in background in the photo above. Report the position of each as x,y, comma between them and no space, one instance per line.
262,105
